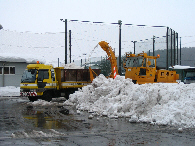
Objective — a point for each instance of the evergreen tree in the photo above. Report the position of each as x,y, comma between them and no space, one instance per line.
105,66
1,27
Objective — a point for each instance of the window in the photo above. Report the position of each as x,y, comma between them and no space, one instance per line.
190,74
12,70
152,61
7,70
29,76
134,62
43,74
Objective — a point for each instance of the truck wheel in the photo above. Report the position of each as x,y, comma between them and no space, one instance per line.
32,98
47,96
67,95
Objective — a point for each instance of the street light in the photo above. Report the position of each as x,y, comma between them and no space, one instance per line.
119,67
65,21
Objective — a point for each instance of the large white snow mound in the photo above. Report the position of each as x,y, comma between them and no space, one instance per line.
160,103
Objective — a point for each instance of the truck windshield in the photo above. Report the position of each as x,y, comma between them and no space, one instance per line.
29,76
190,74
135,62
152,62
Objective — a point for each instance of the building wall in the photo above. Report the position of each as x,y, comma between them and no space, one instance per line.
12,79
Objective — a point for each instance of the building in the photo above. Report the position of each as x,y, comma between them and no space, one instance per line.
11,70
184,71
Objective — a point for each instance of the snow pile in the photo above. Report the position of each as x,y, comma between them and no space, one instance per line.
10,91
40,102
159,103
71,66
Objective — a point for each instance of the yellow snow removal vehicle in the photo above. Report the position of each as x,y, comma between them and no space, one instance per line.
142,69
40,81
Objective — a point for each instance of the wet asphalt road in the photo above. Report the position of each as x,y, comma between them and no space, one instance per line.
22,123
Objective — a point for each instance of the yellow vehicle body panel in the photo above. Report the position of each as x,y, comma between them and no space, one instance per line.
74,84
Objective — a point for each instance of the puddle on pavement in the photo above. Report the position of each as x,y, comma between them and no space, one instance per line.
55,117
48,117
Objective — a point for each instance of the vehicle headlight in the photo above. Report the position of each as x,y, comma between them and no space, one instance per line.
32,90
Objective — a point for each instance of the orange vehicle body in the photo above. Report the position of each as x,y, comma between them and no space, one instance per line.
142,69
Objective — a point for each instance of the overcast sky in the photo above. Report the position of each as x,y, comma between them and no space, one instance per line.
41,16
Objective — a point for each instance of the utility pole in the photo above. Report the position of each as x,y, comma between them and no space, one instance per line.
65,21
153,45
174,48
171,47
167,38
81,62
65,41
134,46
177,46
3,74
180,50
70,44
119,23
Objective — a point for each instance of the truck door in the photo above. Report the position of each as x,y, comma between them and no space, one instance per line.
43,77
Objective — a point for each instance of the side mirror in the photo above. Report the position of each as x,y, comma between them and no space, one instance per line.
53,74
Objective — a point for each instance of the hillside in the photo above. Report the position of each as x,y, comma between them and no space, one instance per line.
187,57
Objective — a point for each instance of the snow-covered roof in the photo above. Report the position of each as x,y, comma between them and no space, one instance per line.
15,59
46,48
181,67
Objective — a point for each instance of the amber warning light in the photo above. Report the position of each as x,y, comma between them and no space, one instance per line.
158,55
37,62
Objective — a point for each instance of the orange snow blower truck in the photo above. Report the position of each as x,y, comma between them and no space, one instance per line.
142,69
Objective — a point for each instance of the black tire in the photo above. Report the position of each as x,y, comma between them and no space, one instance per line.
47,96
67,95
32,98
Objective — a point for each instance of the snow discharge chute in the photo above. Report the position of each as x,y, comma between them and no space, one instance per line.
111,56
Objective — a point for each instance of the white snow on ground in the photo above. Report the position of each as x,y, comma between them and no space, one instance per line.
34,134
160,103
40,102
10,91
